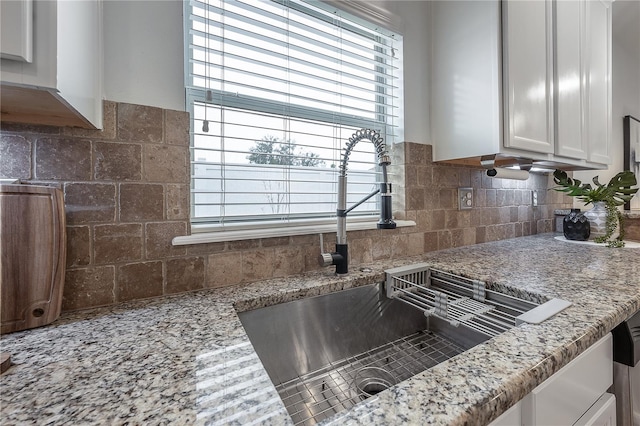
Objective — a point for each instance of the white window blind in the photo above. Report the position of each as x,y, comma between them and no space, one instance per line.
276,88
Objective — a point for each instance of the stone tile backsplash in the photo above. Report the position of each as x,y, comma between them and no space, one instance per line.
126,191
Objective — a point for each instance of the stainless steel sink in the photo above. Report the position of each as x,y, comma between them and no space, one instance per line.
327,353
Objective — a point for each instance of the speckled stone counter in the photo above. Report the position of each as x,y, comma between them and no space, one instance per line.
187,360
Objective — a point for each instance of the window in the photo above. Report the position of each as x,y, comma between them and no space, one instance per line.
275,90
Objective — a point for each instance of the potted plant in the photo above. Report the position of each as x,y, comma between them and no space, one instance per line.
608,197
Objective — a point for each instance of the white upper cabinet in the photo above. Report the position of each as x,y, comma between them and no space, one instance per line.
522,80
528,75
16,30
62,85
598,80
583,69
570,80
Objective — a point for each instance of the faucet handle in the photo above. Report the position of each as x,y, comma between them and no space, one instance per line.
325,259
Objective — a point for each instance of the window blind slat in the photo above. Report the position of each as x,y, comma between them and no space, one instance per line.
296,18
349,84
358,52
275,89
350,70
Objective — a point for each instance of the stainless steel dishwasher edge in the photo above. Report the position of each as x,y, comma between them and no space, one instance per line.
626,371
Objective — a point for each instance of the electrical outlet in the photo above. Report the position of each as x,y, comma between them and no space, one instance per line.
465,198
534,198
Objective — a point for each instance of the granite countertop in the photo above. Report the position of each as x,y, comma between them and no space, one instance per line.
187,360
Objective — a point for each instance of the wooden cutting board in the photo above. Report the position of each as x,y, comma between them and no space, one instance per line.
32,256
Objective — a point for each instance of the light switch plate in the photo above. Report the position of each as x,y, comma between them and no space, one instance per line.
465,198
534,198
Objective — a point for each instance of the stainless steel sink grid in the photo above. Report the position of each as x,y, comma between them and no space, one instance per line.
456,299
341,385
327,353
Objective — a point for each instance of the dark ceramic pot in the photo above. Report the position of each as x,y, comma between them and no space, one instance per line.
575,226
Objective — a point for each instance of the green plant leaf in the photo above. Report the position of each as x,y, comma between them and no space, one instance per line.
617,192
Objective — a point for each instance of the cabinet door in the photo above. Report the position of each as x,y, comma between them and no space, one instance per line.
598,77
570,83
528,75
564,397
16,30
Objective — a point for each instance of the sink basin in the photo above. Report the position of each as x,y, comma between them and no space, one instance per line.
327,353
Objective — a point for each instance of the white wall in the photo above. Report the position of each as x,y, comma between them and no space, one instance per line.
143,52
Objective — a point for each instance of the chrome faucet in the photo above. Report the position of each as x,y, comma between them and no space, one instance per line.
340,257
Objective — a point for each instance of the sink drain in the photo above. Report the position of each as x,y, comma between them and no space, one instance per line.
371,381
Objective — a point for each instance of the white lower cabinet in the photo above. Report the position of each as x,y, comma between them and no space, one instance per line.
602,413
575,395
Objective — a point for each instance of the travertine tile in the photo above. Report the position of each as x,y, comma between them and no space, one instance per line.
224,269
437,220
425,175
257,264
243,244
147,157
513,214
430,241
431,199
275,241
117,243
176,127
299,240
117,161
411,175
481,234
632,229
88,287
140,201
158,238
287,261
464,177
380,249
178,200
90,202
78,246
139,281
448,198
139,123
15,157
63,159
446,177
184,274
166,163
407,245
310,253
490,197
414,198
417,153
359,251
444,239
518,229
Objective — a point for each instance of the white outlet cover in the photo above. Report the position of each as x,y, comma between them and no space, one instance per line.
465,198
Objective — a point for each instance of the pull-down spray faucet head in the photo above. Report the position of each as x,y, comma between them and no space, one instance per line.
386,214
340,256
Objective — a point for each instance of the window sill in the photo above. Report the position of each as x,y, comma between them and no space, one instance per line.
252,234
